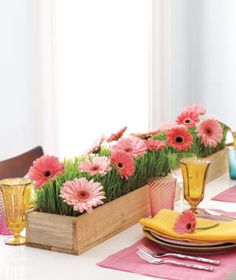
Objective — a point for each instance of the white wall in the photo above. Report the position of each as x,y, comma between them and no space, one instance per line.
220,60
101,51
71,71
102,78
199,57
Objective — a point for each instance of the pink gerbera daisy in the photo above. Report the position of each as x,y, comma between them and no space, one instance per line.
96,147
196,108
210,132
187,118
185,223
45,168
116,136
97,165
155,144
82,194
133,146
179,138
123,163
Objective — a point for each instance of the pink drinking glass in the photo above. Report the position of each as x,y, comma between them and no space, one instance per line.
3,226
161,193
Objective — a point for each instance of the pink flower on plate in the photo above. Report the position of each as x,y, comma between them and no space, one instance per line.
196,108
186,222
155,144
44,169
187,118
179,138
96,147
210,132
133,146
97,165
123,163
82,194
116,136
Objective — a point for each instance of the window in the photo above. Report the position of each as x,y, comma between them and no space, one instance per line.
102,63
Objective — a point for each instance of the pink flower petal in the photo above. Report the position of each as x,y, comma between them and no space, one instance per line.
133,146
179,138
82,194
97,165
210,132
123,163
44,169
185,223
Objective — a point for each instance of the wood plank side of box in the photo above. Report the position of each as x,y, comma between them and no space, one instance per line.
75,235
219,165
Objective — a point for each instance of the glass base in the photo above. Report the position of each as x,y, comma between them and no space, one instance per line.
19,240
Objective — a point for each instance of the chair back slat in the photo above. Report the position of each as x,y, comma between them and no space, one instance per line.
18,166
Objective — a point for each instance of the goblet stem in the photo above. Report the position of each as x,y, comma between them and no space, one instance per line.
194,210
17,239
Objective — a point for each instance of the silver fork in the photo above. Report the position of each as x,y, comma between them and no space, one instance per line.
153,260
176,255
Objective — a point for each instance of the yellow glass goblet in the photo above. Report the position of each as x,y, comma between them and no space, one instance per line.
174,164
17,199
194,172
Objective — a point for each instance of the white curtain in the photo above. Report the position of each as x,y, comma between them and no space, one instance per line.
20,71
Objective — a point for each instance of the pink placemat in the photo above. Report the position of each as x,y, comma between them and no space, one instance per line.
228,196
127,260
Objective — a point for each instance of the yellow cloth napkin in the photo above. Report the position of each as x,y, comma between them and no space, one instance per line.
163,224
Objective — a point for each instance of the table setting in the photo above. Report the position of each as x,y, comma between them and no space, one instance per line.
210,251
196,236
184,227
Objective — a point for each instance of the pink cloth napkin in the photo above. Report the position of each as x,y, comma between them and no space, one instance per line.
127,260
228,196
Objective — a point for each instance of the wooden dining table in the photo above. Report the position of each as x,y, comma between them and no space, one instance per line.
25,263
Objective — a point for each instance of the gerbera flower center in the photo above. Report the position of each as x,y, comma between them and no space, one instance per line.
47,173
208,131
187,121
128,150
83,194
96,150
179,139
120,165
188,226
95,168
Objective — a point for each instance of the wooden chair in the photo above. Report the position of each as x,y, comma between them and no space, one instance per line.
18,166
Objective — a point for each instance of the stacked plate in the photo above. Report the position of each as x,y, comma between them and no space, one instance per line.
189,246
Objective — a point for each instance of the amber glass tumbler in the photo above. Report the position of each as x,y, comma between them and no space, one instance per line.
17,200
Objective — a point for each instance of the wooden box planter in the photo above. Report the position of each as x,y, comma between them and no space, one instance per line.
75,235
219,165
